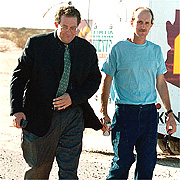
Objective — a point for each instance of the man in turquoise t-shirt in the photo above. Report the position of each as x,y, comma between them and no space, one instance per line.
135,68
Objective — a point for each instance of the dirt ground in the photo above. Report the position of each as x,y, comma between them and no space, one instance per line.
97,150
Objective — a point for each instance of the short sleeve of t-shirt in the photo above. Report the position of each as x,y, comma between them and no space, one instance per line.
109,66
162,67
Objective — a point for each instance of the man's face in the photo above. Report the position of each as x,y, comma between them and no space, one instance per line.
66,30
142,23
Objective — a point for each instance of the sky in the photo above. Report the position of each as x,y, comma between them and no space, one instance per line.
29,13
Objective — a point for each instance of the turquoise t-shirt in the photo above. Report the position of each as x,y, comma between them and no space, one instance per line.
134,69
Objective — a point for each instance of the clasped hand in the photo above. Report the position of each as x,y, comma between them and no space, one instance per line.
62,102
103,120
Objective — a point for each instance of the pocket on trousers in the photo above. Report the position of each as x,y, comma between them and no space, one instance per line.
153,124
30,148
29,136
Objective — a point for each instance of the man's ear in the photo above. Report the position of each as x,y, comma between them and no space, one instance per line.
56,24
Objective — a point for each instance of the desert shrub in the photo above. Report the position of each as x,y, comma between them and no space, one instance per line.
20,35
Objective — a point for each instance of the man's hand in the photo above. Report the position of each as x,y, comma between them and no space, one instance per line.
103,120
17,117
170,122
62,102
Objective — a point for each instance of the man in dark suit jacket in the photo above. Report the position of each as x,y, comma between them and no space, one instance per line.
55,124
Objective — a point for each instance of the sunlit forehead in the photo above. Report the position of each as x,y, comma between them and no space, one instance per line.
143,16
68,21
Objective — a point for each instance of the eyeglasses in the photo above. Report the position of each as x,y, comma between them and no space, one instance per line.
73,29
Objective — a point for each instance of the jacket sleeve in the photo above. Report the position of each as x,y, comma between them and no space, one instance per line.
20,78
91,83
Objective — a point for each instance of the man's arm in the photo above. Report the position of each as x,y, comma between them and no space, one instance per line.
104,97
162,89
20,77
19,80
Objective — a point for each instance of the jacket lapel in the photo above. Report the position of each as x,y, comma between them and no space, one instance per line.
56,54
76,58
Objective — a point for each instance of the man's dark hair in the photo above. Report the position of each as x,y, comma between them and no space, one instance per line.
69,11
146,9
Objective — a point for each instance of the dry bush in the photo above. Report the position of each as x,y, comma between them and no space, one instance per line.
20,36
4,48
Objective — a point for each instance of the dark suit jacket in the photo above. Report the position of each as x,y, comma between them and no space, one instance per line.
36,79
